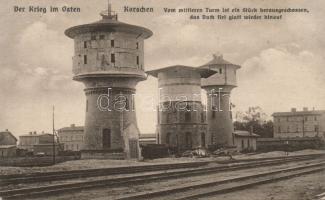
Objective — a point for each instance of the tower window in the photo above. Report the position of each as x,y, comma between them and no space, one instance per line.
101,37
137,45
112,43
316,128
87,105
85,44
220,70
213,112
187,116
85,59
112,58
137,60
93,37
127,105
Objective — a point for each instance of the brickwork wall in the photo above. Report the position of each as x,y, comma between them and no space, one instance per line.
220,126
175,124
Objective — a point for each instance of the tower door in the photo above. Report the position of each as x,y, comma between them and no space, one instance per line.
133,145
106,138
188,140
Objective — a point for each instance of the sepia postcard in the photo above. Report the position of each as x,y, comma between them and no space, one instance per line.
162,99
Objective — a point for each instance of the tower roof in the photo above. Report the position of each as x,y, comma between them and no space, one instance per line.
218,61
205,73
108,23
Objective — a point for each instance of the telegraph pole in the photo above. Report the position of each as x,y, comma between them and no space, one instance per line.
53,130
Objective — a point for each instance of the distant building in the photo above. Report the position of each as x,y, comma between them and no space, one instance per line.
148,139
8,151
245,140
7,138
305,123
8,144
72,137
29,140
47,149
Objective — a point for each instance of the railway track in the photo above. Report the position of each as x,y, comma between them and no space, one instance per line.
199,191
73,174
138,179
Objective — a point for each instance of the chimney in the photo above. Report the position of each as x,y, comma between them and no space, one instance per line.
305,109
34,132
72,125
293,109
30,133
7,130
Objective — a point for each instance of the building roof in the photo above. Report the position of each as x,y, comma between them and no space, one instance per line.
7,146
4,133
205,73
47,144
35,135
242,133
108,23
72,128
218,61
147,136
288,139
295,113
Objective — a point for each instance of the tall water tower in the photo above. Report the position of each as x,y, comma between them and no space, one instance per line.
218,88
109,60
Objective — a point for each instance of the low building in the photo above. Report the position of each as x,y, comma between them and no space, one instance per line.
72,137
245,140
289,144
8,144
8,151
29,140
305,123
7,138
145,139
47,149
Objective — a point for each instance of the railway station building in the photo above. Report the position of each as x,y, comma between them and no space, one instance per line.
304,123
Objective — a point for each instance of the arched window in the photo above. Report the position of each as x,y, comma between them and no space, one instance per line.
187,116
188,140
203,139
168,139
106,138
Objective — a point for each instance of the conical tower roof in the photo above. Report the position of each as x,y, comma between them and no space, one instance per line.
108,23
218,61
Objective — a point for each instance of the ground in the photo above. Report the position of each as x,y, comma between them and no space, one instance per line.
90,164
300,188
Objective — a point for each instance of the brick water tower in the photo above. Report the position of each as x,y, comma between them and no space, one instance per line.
181,117
218,88
109,60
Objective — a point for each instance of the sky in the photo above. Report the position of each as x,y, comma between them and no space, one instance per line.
282,61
